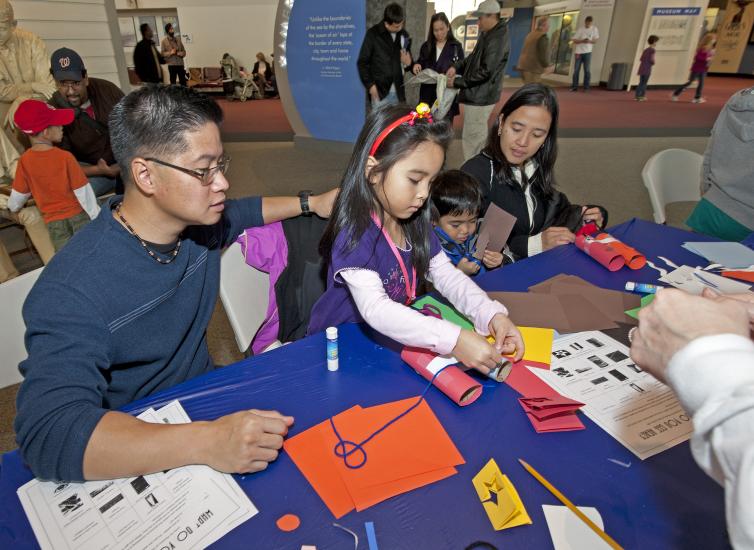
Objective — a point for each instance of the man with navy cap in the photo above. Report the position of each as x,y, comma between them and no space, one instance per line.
92,99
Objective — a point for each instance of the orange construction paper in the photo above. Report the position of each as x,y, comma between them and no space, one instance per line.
412,452
308,452
288,522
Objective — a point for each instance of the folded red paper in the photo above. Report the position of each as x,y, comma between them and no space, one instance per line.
452,381
552,413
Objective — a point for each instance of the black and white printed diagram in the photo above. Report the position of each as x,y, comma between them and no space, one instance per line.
597,361
617,356
561,353
70,504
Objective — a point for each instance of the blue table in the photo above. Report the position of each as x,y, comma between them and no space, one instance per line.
663,502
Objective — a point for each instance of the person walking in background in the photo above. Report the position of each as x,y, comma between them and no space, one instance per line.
480,76
645,67
384,55
583,40
704,54
147,60
440,52
535,53
173,51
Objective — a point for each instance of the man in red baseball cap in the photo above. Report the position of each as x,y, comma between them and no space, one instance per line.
49,174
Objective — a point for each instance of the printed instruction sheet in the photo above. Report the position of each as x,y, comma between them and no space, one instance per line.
631,405
184,508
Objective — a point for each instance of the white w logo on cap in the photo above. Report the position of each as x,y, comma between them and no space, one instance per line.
64,62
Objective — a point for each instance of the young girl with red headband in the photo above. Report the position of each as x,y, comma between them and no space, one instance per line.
380,244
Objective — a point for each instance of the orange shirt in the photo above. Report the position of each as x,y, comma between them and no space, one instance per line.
51,176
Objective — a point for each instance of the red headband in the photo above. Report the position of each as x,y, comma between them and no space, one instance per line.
422,111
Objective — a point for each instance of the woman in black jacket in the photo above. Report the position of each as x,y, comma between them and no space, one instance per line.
516,172
439,53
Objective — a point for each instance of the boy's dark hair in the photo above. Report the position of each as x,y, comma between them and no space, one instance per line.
357,199
653,38
455,193
168,26
143,28
393,14
141,121
588,19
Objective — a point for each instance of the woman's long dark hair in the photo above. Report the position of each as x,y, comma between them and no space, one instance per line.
538,95
357,198
431,41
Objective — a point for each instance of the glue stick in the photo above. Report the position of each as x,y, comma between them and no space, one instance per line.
332,348
641,288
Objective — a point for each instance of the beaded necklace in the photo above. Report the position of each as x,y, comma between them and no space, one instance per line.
173,253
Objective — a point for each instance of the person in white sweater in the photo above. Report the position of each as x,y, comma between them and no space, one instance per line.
702,347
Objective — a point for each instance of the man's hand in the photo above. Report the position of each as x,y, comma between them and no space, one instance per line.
405,58
467,266
508,339
747,300
674,319
476,352
322,204
555,236
373,93
492,259
246,441
416,69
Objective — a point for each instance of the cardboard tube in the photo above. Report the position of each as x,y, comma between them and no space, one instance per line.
603,253
452,381
634,259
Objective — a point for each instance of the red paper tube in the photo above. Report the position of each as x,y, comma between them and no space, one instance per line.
634,258
452,381
603,253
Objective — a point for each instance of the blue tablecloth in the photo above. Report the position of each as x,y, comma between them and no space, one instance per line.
663,502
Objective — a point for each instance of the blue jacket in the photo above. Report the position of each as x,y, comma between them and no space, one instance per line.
107,324
456,251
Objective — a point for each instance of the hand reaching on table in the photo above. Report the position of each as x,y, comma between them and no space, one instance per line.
474,351
508,339
246,441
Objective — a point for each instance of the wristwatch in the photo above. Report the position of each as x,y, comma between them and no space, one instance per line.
303,196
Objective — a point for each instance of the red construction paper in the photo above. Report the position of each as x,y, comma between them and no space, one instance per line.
603,253
543,408
460,387
742,275
634,259
527,383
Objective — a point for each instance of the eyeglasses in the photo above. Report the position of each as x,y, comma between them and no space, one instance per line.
205,175
70,84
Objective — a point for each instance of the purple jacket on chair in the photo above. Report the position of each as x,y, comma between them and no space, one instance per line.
266,249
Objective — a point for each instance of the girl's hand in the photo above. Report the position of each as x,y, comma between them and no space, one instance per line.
492,259
555,236
416,69
467,266
476,352
508,338
592,215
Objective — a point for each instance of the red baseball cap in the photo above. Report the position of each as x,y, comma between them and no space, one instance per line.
33,116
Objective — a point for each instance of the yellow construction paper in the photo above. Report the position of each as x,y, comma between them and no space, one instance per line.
538,343
508,510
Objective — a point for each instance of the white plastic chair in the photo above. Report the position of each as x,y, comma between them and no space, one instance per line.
12,296
244,292
672,175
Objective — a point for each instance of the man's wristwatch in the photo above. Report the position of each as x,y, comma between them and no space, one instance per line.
303,196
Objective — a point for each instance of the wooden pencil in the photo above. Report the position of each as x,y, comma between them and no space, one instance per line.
562,498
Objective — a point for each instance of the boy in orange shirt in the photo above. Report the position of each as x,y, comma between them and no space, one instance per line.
51,175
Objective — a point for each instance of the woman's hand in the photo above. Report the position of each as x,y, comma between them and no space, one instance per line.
476,352
593,214
468,267
555,236
416,68
492,259
508,339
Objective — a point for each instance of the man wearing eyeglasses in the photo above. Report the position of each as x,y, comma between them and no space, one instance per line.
92,100
122,311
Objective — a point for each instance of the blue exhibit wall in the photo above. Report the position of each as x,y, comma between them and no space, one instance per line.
323,42
518,27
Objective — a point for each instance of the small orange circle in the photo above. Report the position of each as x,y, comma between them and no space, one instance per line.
288,522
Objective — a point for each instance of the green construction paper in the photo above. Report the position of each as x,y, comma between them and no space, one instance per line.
448,313
645,301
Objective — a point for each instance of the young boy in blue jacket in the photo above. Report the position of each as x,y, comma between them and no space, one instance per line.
456,202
